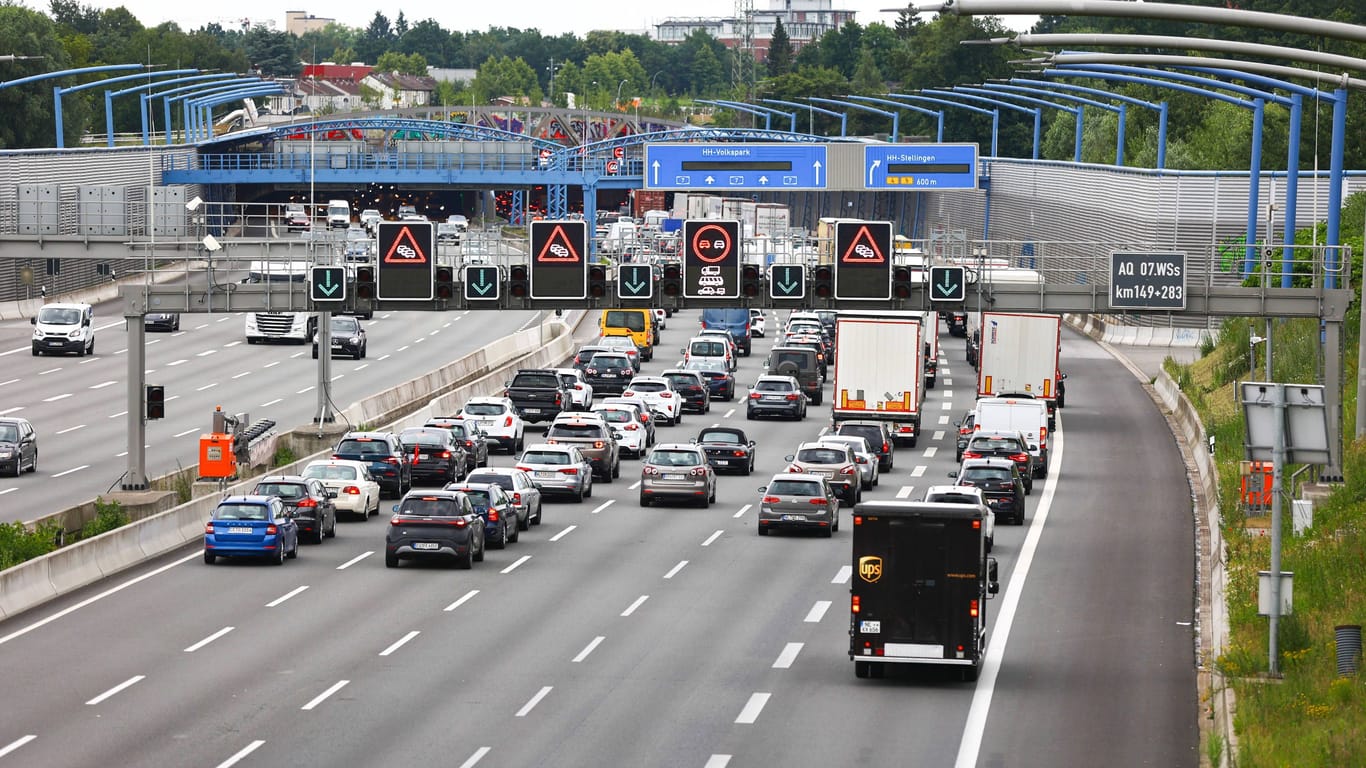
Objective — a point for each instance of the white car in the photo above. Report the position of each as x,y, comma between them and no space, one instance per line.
658,394
660,318
498,419
634,437
356,489
758,323
867,460
966,494
370,217
580,391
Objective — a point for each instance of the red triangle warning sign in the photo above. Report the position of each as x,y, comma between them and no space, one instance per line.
863,249
405,250
558,248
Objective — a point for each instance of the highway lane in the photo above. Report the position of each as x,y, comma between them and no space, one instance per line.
714,650
78,404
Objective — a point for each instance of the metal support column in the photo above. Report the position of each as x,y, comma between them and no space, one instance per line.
1332,396
135,479
323,338
1277,473
557,201
515,216
590,216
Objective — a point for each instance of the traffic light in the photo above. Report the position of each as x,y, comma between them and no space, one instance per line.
823,281
365,282
445,282
672,283
519,281
751,284
902,279
156,402
597,281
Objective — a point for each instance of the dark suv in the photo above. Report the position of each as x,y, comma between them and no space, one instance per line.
987,444
18,446
437,525
802,364
609,372
696,391
879,439
502,526
348,337
436,457
384,454
591,435
467,434
306,500
1000,482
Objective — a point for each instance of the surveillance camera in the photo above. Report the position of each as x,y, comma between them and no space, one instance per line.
193,204
211,243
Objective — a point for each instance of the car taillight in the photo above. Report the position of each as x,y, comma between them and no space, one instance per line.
815,501
793,468
335,456
395,521
493,515
848,470
351,490
737,452
971,455
517,498
507,393
753,395
308,503
557,399
698,472
208,528
771,500
628,393
645,417
1020,458
649,470
507,422
666,395
972,608
459,522
579,387
469,443
569,471
854,604
631,428
886,447
391,460
272,529
598,444
792,397
524,469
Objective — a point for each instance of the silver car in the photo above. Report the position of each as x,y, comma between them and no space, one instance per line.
558,469
867,460
966,494
799,501
679,471
518,486
834,462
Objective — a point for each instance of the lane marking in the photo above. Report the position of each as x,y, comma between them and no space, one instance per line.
9,490
938,434
729,413
355,560
400,349
789,655
17,743
305,389
73,469
463,599
633,486
271,364
742,511
603,506
55,398
630,609
70,429
399,643
753,707
434,332
286,596
476,757
674,571
562,534
296,355
272,402
50,370
224,319
11,381
207,386
842,575
587,649
120,413
948,393
717,761
516,563
948,382
11,410
202,325
384,357
541,694
918,471
247,750
419,341
130,682
362,366
943,419
338,376
817,612
243,373
209,639
947,405
712,538
101,385
931,451
190,431
207,352
905,492
320,698
176,362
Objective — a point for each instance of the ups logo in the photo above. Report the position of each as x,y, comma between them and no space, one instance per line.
870,568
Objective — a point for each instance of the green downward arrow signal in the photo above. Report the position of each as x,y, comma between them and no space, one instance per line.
788,287
947,286
483,286
328,288
636,288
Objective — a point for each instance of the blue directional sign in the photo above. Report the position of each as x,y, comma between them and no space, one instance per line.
786,281
721,167
920,166
481,282
327,284
635,281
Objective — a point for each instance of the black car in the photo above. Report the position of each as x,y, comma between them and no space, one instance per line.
491,503
986,444
1000,482
161,321
727,448
965,430
879,440
306,500
348,337
18,446
440,525
692,387
435,455
720,380
467,434
776,396
609,372
586,353
383,452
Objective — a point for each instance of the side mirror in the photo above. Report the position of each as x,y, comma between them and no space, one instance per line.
992,585
394,509
953,475
33,321
763,489
1062,376
788,458
331,494
751,443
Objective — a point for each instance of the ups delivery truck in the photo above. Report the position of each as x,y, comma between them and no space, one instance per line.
920,586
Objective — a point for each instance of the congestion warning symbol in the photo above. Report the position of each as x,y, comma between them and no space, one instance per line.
863,248
558,247
404,249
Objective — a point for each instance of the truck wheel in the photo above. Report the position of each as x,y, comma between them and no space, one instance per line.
929,383
969,674
861,668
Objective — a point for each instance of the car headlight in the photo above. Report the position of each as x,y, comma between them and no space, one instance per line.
74,334
5,454
37,334
355,340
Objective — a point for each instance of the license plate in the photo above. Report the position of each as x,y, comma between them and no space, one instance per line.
546,474
426,545
870,627
793,517
673,477
609,375
239,529
533,410
54,343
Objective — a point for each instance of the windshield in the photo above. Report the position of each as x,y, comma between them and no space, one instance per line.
614,416
609,361
773,386
59,316
347,325
821,456
241,512
674,458
794,488
428,506
994,444
285,491
589,431
502,481
648,386
633,321
979,474
331,472
455,428
477,497
423,437
545,457
364,447
711,366
719,437
541,380
484,409
8,433
707,348
681,380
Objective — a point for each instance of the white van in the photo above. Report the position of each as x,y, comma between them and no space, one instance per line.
1018,413
64,328
338,214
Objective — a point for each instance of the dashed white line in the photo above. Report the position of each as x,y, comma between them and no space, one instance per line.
633,486
420,340
120,455
272,402
729,413
202,325
905,492
587,649
717,761
247,750
817,612
174,363
603,506
11,381
476,757
918,471
55,398
400,349
355,560
17,743
130,682
172,397
338,376
149,343
73,469
563,533
209,639
296,355
630,609
385,357
305,389
70,429
947,382
101,385
465,598
206,386
674,570
712,538
11,489
190,431
541,694
516,563
207,352
399,643
789,655
433,332
741,512
947,405
116,415
938,434
286,596
943,419
243,373
271,364
753,707
842,575
362,366
930,452
11,410
230,344
320,698
50,370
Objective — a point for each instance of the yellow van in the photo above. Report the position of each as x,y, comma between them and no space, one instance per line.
639,324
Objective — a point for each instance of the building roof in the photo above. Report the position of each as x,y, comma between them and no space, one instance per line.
329,71
401,82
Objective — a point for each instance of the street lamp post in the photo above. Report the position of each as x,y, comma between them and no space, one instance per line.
624,81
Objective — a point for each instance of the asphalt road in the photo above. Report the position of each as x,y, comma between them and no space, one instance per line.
667,636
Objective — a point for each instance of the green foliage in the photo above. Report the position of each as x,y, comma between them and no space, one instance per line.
18,543
867,76
272,52
411,64
108,516
779,51
503,76
284,456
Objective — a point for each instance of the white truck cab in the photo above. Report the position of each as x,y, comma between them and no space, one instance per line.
338,214
63,328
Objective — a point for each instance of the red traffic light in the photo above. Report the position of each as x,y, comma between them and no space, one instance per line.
823,285
902,278
519,281
365,282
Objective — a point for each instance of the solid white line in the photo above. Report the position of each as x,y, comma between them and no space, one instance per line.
817,612
134,680
120,413
842,575
354,560
905,492
247,750
673,571
717,761
55,398
463,599
918,471
931,451
729,414
541,694
186,432
17,743
753,707
789,655
630,609
320,698
516,563
938,434
399,643
206,386
209,639
69,429
712,538
561,534
101,385
603,506
73,469
975,726
243,373
633,486
286,596
476,757
587,649
742,511
207,352
272,402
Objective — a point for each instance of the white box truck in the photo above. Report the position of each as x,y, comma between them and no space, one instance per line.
1018,354
880,370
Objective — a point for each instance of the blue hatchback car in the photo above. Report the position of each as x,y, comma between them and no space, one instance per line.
497,510
720,380
251,526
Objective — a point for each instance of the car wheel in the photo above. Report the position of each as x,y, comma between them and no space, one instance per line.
319,536
644,500
479,557
862,669
835,525
588,491
279,558
538,514
616,467
829,531
748,467
524,523
712,498
465,563
358,354
749,416
1029,488
332,529
81,352
501,540
210,558
516,532
991,542
678,418
37,352
315,352
293,554
579,496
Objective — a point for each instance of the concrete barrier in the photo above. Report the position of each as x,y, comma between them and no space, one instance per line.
25,585
69,568
1143,336
1161,337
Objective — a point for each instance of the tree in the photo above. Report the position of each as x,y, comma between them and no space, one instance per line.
400,25
377,38
28,108
706,73
867,78
779,51
412,64
907,22
272,52
503,76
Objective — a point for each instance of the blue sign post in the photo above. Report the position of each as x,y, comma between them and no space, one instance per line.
721,167
920,166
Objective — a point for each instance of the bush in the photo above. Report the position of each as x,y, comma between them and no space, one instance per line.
283,456
108,516
18,543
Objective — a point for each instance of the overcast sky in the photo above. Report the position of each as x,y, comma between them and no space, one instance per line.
551,17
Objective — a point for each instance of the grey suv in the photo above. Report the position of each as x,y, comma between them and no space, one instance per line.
594,439
801,364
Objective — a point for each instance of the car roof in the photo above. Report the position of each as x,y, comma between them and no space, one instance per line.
843,439
813,444
998,433
246,498
338,463
367,435
969,490
677,447
553,447
775,377
683,371
649,380
284,479
440,493
495,471
996,462
727,430
488,399
807,476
